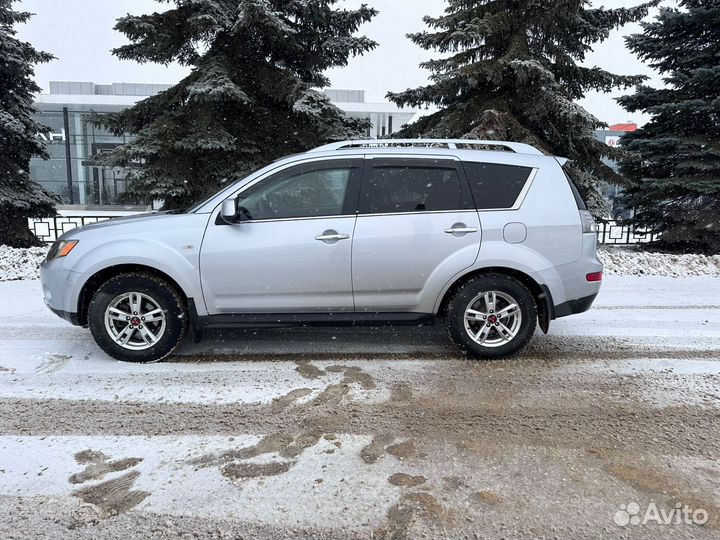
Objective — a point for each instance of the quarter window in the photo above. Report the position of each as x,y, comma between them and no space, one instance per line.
494,185
299,192
573,187
411,188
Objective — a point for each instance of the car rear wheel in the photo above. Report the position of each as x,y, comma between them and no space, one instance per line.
137,317
491,316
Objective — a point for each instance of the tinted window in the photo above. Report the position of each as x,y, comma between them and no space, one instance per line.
408,188
578,198
494,185
297,193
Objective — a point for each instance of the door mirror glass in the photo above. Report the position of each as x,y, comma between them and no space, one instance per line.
228,210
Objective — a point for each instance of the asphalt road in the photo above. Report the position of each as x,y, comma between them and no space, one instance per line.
342,433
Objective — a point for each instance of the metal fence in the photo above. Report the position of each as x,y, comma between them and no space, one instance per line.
49,229
609,232
612,232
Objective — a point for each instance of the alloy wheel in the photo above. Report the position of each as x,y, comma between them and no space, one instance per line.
135,321
492,319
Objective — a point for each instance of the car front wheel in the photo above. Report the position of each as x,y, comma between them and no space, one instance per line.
491,316
137,317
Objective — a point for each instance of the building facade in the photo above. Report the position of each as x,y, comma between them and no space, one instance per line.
611,137
385,118
72,141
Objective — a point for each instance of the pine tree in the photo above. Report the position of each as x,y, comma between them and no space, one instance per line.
248,100
676,165
511,72
20,197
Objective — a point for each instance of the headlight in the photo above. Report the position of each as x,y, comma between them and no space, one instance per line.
61,248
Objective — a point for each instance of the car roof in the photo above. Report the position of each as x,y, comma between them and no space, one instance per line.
431,144
501,152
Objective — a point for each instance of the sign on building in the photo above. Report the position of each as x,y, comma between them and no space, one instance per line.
612,140
52,137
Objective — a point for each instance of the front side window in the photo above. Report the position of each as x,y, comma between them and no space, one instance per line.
303,191
407,187
496,186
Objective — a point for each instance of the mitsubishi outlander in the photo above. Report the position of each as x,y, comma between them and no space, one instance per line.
490,237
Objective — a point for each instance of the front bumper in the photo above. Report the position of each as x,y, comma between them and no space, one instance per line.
72,318
61,288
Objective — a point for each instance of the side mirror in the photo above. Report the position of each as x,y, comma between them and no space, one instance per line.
228,210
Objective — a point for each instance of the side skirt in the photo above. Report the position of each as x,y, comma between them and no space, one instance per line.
283,320
264,320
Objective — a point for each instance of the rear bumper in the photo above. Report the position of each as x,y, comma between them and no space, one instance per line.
568,289
572,307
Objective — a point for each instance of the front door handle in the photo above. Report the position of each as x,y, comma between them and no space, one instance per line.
331,236
461,230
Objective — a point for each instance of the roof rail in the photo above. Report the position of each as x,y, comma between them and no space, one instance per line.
451,144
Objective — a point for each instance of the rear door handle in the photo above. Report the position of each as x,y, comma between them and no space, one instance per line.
331,236
461,230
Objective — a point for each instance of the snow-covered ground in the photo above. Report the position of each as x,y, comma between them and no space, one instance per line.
21,263
49,357
25,263
633,262
360,433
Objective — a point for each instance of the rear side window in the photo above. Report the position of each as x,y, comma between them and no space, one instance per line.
494,185
407,187
576,193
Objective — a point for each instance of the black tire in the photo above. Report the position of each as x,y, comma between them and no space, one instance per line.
470,290
164,296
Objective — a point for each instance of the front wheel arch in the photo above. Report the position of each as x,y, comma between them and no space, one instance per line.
103,276
128,295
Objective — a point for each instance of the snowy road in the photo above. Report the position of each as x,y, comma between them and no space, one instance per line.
369,434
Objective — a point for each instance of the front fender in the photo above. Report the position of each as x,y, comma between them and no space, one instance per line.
181,267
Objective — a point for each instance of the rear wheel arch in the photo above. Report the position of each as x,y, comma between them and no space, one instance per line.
491,315
103,276
540,293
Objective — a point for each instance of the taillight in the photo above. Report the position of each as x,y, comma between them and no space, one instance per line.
595,276
588,222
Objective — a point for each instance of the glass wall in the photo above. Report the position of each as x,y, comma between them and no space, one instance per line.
70,143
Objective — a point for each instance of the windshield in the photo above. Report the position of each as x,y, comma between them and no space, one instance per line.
206,200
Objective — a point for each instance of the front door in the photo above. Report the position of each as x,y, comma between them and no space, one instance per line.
417,228
291,251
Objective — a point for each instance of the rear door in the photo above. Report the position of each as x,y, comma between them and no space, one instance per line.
417,227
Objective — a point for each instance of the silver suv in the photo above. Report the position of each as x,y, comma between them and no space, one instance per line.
490,236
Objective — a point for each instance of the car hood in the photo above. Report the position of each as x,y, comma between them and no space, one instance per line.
134,220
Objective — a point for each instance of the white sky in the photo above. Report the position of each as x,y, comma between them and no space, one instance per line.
79,33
